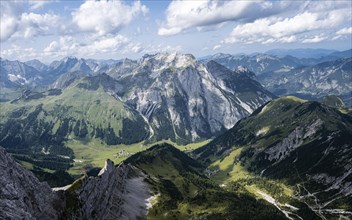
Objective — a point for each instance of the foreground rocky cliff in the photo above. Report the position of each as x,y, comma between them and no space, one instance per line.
116,193
159,183
22,196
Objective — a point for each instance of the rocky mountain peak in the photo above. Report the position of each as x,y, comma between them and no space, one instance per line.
128,64
221,56
69,58
126,61
164,60
117,193
244,70
262,57
218,70
37,65
67,61
108,167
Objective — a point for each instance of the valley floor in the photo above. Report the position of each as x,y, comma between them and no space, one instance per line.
228,172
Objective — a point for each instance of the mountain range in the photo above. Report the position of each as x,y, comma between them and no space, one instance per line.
163,96
327,78
35,73
285,74
264,157
289,159
302,52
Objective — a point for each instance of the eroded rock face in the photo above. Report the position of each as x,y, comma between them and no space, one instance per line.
294,140
184,100
22,196
117,193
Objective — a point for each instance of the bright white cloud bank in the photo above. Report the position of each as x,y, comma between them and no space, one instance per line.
38,24
68,45
182,15
345,31
104,17
98,17
16,23
287,30
261,21
92,29
37,4
9,19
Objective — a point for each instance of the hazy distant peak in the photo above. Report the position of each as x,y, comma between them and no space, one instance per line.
301,52
167,59
221,55
69,58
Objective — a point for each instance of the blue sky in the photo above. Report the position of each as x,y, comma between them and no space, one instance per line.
49,30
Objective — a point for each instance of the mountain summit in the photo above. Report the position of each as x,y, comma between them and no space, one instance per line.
184,100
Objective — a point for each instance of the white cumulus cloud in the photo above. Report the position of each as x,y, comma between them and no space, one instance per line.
37,4
162,47
38,24
68,45
217,47
106,45
10,13
106,17
287,30
19,53
16,23
345,31
182,15
315,39
133,47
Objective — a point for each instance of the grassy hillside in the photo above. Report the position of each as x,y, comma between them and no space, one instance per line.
184,192
333,101
288,147
94,153
36,127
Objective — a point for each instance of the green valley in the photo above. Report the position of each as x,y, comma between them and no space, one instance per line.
94,154
285,152
184,192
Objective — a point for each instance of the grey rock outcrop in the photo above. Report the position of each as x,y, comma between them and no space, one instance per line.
116,193
22,196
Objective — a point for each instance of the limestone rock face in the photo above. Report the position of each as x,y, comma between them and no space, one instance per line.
116,193
184,100
22,196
